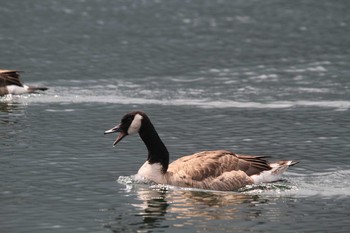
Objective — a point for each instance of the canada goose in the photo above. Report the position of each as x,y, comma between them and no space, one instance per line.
216,170
10,83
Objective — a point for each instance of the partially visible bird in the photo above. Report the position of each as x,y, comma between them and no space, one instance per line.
10,83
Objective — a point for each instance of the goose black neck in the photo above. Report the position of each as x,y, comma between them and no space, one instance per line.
157,152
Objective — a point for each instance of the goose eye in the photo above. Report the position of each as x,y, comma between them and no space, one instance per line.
127,120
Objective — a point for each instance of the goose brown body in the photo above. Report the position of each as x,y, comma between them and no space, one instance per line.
216,170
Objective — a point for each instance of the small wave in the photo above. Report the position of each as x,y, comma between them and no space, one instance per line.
318,68
60,110
186,80
313,90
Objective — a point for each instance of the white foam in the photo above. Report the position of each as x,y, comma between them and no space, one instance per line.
126,92
340,105
330,183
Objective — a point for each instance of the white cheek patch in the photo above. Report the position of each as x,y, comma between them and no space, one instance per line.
135,124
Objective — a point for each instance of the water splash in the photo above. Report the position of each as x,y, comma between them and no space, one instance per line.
167,97
326,184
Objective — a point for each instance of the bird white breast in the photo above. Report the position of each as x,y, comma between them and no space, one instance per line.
17,90
135,124
152,172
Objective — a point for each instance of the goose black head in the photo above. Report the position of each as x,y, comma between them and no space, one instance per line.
130,124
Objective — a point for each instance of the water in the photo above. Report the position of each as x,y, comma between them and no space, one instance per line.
255,77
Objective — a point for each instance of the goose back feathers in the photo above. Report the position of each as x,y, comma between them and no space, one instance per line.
215,170
218,170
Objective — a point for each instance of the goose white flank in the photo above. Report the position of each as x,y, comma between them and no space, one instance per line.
214,170
10,83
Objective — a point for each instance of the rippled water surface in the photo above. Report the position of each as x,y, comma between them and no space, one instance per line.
266,78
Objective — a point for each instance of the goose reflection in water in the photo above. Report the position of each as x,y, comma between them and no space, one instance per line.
8,106
160,207
11,120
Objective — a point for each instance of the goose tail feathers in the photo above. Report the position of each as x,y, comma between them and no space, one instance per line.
275,173
32,89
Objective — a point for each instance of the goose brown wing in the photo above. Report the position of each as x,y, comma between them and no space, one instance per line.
206,164
10,77
253,164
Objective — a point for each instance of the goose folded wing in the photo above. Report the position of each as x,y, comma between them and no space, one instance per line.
10,77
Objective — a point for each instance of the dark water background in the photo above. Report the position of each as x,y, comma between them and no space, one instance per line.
255,77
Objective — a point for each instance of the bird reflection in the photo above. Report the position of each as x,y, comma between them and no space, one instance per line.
11,114
211,205
6,106
163,207
11,104
153,206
